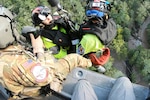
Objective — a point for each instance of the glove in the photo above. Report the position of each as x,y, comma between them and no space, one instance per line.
27,30
62,22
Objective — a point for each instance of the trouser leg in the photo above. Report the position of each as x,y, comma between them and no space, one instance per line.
84,91
122,90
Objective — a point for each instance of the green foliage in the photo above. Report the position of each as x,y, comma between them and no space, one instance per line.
141,14
141,11
75,8
126,34
148,34
120,13
140,60
119,44
146,69
23,8
112,71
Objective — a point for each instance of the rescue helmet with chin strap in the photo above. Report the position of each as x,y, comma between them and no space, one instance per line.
39,14
97,8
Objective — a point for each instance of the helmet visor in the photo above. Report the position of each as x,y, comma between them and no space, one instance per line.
44,13
94,13
41,17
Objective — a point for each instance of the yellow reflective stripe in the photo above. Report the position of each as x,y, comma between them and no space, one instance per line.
48,43
61,29
61,54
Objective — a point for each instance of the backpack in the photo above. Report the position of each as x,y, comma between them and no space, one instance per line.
106,35
8,31
71,29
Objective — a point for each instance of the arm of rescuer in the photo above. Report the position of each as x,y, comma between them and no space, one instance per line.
64,66
32,36
23,76
37,44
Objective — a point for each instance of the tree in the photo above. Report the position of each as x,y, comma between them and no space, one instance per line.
148,34
23,8
139,60
118,44
76,9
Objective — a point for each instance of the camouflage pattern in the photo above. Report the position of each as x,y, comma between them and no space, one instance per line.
20,70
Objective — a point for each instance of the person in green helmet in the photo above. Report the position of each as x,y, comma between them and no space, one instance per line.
96,33
53,35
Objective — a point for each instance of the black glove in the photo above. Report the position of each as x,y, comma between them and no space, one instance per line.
62,22
27,30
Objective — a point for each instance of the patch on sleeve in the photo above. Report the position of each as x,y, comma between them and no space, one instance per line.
80,50
40,73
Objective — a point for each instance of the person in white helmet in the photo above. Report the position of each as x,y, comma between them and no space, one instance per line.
54,31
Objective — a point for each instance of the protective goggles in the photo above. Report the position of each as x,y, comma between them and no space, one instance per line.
94,13
44,13
42,17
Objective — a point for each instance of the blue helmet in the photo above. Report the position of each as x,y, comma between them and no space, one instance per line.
97,8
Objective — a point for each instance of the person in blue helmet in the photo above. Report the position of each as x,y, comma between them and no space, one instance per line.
97,33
